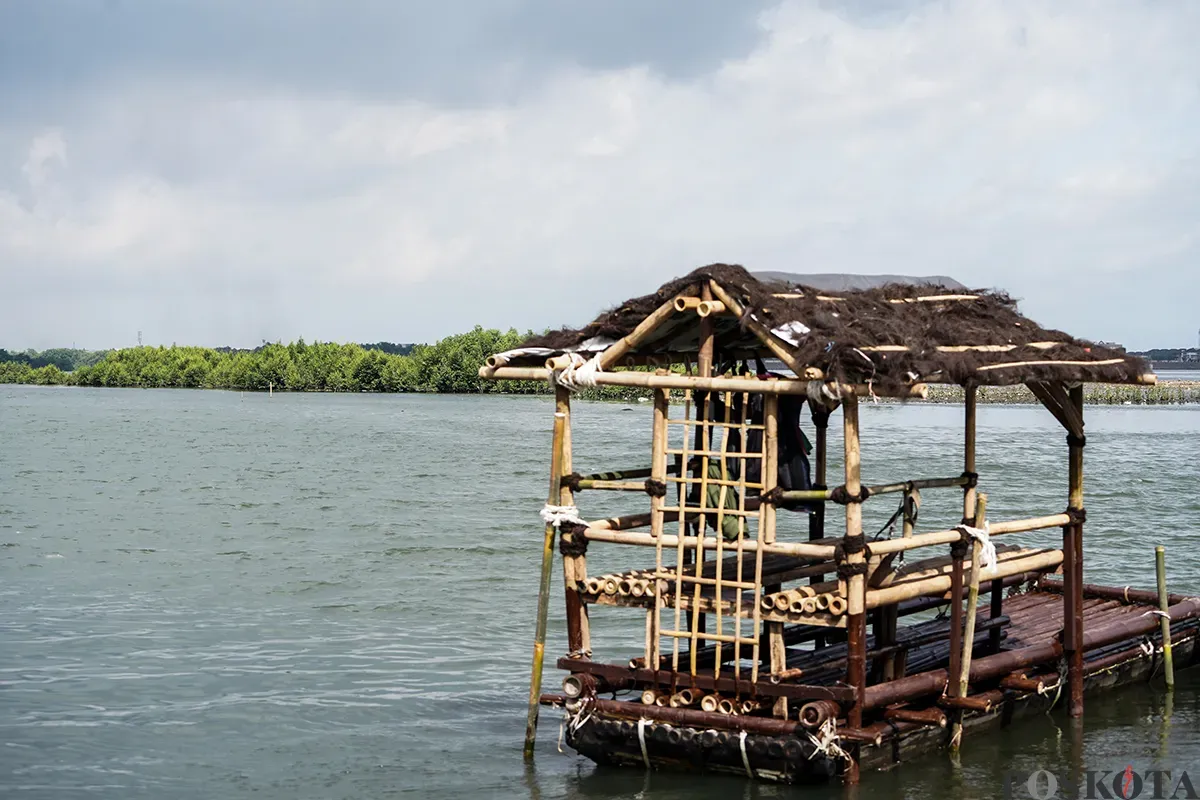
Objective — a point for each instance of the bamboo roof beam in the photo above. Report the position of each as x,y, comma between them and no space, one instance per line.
1053,396
673,381
613,355
764,334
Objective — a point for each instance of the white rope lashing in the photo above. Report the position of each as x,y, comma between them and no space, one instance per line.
580,373
826,741
557,515
642,723
820,395
987,553
745,757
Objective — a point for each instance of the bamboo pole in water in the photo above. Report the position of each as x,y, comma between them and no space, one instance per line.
1160,567
972,606
856,585
574,567
1073,566
539,637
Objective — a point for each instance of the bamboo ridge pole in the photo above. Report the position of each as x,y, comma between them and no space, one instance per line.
653,381
543,607
1160,567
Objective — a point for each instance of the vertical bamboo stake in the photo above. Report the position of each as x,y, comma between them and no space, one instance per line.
539,637
1073,592
969,453
770,463
768,478
816,527
1160,567
968,639
718,590
574,567
696,620
704,360
855,586
856,622
739,550
956,574
683,506
658,471
778,650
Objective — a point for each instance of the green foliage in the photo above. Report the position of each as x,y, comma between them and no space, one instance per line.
65,359
451,365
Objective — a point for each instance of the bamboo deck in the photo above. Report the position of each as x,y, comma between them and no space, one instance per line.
608,731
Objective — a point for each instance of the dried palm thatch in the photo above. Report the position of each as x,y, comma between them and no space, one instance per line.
895,334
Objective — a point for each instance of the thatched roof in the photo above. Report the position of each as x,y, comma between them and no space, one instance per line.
881,334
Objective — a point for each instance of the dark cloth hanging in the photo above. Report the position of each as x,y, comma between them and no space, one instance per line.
795,472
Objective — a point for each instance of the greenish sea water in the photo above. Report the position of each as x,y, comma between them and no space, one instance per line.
211,595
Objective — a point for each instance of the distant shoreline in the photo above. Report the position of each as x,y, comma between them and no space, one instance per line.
1166,392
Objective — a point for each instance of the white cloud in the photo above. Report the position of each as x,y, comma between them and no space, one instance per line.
1014,144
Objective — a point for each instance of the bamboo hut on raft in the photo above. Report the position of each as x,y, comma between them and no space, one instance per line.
788,652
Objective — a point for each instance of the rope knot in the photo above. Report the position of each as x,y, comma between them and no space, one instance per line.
773,497
842,497
571,541
557,515
1076,441
572,482
579,374
656,488
987,552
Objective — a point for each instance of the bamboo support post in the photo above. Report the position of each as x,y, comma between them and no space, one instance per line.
539,638
856,585
1160,568
1073,566
820,418
969,452
972,607
574,566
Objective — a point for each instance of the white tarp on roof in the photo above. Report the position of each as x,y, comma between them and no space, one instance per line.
840,282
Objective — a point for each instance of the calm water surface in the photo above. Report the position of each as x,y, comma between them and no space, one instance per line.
209,595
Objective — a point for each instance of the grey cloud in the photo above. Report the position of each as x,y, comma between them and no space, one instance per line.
215,193
451,52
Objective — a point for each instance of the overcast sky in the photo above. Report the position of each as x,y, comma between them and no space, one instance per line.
223,172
